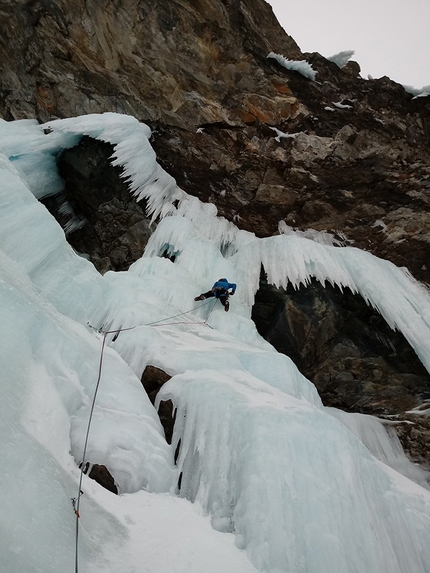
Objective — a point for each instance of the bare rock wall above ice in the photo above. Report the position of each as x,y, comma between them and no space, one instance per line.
198,73
345,347
115,228
357,363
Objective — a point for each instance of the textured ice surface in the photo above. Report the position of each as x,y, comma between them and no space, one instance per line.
380,438
300,492
298,489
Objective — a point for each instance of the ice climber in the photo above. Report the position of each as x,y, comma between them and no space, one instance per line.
220,290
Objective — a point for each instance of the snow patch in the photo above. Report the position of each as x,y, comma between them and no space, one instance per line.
341,58
418,92
281,135
301,66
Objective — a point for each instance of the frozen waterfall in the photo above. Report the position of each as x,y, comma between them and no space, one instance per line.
278,483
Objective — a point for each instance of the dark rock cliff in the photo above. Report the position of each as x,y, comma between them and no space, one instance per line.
361,170
353,157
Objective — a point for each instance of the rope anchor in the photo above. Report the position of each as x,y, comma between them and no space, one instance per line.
74,503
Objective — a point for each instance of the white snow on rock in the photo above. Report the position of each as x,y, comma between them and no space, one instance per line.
301,66
341,58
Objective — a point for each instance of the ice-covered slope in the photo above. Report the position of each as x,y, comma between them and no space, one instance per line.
258,452
50,361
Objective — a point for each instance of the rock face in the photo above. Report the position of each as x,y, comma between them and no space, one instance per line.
355,360
102,476
414,435
344,347
361,172
177,62
263,143
152,380
102,220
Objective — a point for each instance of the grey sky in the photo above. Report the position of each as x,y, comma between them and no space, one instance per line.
390,38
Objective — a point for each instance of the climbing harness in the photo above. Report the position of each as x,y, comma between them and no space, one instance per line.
116,332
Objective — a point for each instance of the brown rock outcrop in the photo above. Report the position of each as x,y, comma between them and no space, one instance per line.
152,380
183,63
112,228
101,475
354,172
414,435
345,347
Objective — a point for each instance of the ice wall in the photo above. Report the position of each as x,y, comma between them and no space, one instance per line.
47,380
258,452
380,438
300,492
402,301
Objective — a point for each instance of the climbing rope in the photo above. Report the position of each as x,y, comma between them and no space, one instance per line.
181,314
210,312
76,500
155,324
